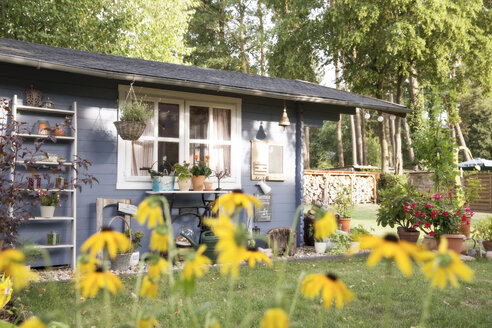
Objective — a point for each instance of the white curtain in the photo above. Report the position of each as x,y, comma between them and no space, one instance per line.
142,155
221,154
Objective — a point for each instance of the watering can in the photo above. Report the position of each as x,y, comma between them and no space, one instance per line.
208,239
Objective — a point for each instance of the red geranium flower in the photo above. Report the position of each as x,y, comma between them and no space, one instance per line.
427,225
434,213
432,233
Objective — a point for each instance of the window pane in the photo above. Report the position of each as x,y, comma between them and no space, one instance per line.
142,156
222,124
200,150
168,151
198,122
149,129
220,159
169,120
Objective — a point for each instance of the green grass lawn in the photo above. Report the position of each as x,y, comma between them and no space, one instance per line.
468,306
366,215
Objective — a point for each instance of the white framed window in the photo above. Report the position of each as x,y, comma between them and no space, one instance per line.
182,125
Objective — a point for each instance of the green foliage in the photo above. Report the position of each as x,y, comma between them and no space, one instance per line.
201,168
341,242
136,238
392,208
343,202
183,171
388,181
134,111
482,230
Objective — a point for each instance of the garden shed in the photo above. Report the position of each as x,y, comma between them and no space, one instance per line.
197,111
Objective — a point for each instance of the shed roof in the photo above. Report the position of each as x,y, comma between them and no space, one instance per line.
124,68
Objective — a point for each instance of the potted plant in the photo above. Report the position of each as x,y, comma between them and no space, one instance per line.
163,177
200,171
343,205
49,201
394,211
132,119
184,175
483,231
135,237
320,245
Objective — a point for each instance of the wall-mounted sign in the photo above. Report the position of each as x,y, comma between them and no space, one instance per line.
264,214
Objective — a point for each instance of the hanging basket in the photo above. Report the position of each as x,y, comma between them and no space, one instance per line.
128,130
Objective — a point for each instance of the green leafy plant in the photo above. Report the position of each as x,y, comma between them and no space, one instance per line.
482,230
182,171
134,111
49,198
391,210
201,168
341,242
136,238
343,202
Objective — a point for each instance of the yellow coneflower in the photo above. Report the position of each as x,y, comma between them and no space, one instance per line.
196,266
275,318
12,265
325,226
149,287
91,282
5,291
150,208
159,239
147,322
230,260
33,322
391,248
444,266
157,265
236,200
329,286
108,239
252,255
86,264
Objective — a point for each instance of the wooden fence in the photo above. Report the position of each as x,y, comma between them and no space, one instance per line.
321,187
484,203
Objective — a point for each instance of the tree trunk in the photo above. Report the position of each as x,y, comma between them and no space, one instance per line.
262,39
358,135
341,161
363,135
462,142
387,136
414,96
354,141
307,159
242,39
384,147
408,138
397,129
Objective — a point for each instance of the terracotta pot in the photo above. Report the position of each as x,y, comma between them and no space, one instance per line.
345,222
209,186
465,226
410,236
198,182
185,184
430,242
487,245
59,132
455,242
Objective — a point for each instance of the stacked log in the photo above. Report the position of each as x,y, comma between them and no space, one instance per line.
321,187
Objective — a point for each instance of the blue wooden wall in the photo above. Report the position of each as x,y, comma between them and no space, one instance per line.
97,142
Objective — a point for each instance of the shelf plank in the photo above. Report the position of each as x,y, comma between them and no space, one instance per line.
55,190
46,163
55,218
45,110
54,246
43,136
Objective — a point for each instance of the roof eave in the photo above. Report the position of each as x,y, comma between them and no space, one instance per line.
186,83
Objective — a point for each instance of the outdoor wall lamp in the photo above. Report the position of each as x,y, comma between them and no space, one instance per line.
284,121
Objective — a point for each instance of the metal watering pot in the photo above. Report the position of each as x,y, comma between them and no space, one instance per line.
206,238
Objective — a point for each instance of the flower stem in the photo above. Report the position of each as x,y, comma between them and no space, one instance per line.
387,294
78,319
426,307
192,312
107,302
138,285
296,295
230,296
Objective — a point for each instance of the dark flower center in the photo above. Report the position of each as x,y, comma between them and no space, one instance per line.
107,228
332,276
238,191
99,269
391,237
252,248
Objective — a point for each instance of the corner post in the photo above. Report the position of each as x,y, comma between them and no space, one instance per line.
299,171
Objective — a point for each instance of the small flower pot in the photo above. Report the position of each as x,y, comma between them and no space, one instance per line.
345,222
185,184
209,185
47,211
128,130
320,247
410,236
487,245
121,262
430,242
165,183
134,258
198,182
455,242
465,226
